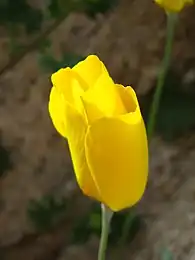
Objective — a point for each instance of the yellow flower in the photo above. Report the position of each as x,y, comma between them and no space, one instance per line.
105,132
173,5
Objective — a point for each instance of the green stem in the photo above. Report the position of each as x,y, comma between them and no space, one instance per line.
106,219
126,226
171,21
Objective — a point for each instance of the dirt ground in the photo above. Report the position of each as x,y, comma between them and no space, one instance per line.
130,41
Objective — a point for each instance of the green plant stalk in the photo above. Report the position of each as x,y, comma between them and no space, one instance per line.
126,226
106,219
171,22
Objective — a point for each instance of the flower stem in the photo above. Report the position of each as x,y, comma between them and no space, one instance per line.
106,219
171,21
126,226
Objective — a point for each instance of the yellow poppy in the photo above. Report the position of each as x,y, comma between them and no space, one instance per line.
105,131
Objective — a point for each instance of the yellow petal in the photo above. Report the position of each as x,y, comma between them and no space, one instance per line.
67,88
76,131
129,99
90,69
102,99
117,156
173,5
57,111
70,86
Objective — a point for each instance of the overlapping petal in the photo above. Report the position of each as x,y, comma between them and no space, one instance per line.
67,88
103,99
70,86
57,111
117,156
90,70
76,128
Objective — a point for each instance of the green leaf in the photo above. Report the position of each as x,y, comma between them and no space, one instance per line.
44,45
95,221
55,9
6,163
58,8
46,213
50,64
20,13
70,59
14,47
92,7
3,3
177,108
91,224
166,255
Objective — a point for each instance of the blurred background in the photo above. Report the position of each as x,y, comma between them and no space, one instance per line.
43,215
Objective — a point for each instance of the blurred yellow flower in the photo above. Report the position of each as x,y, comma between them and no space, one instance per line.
105,131
173,5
